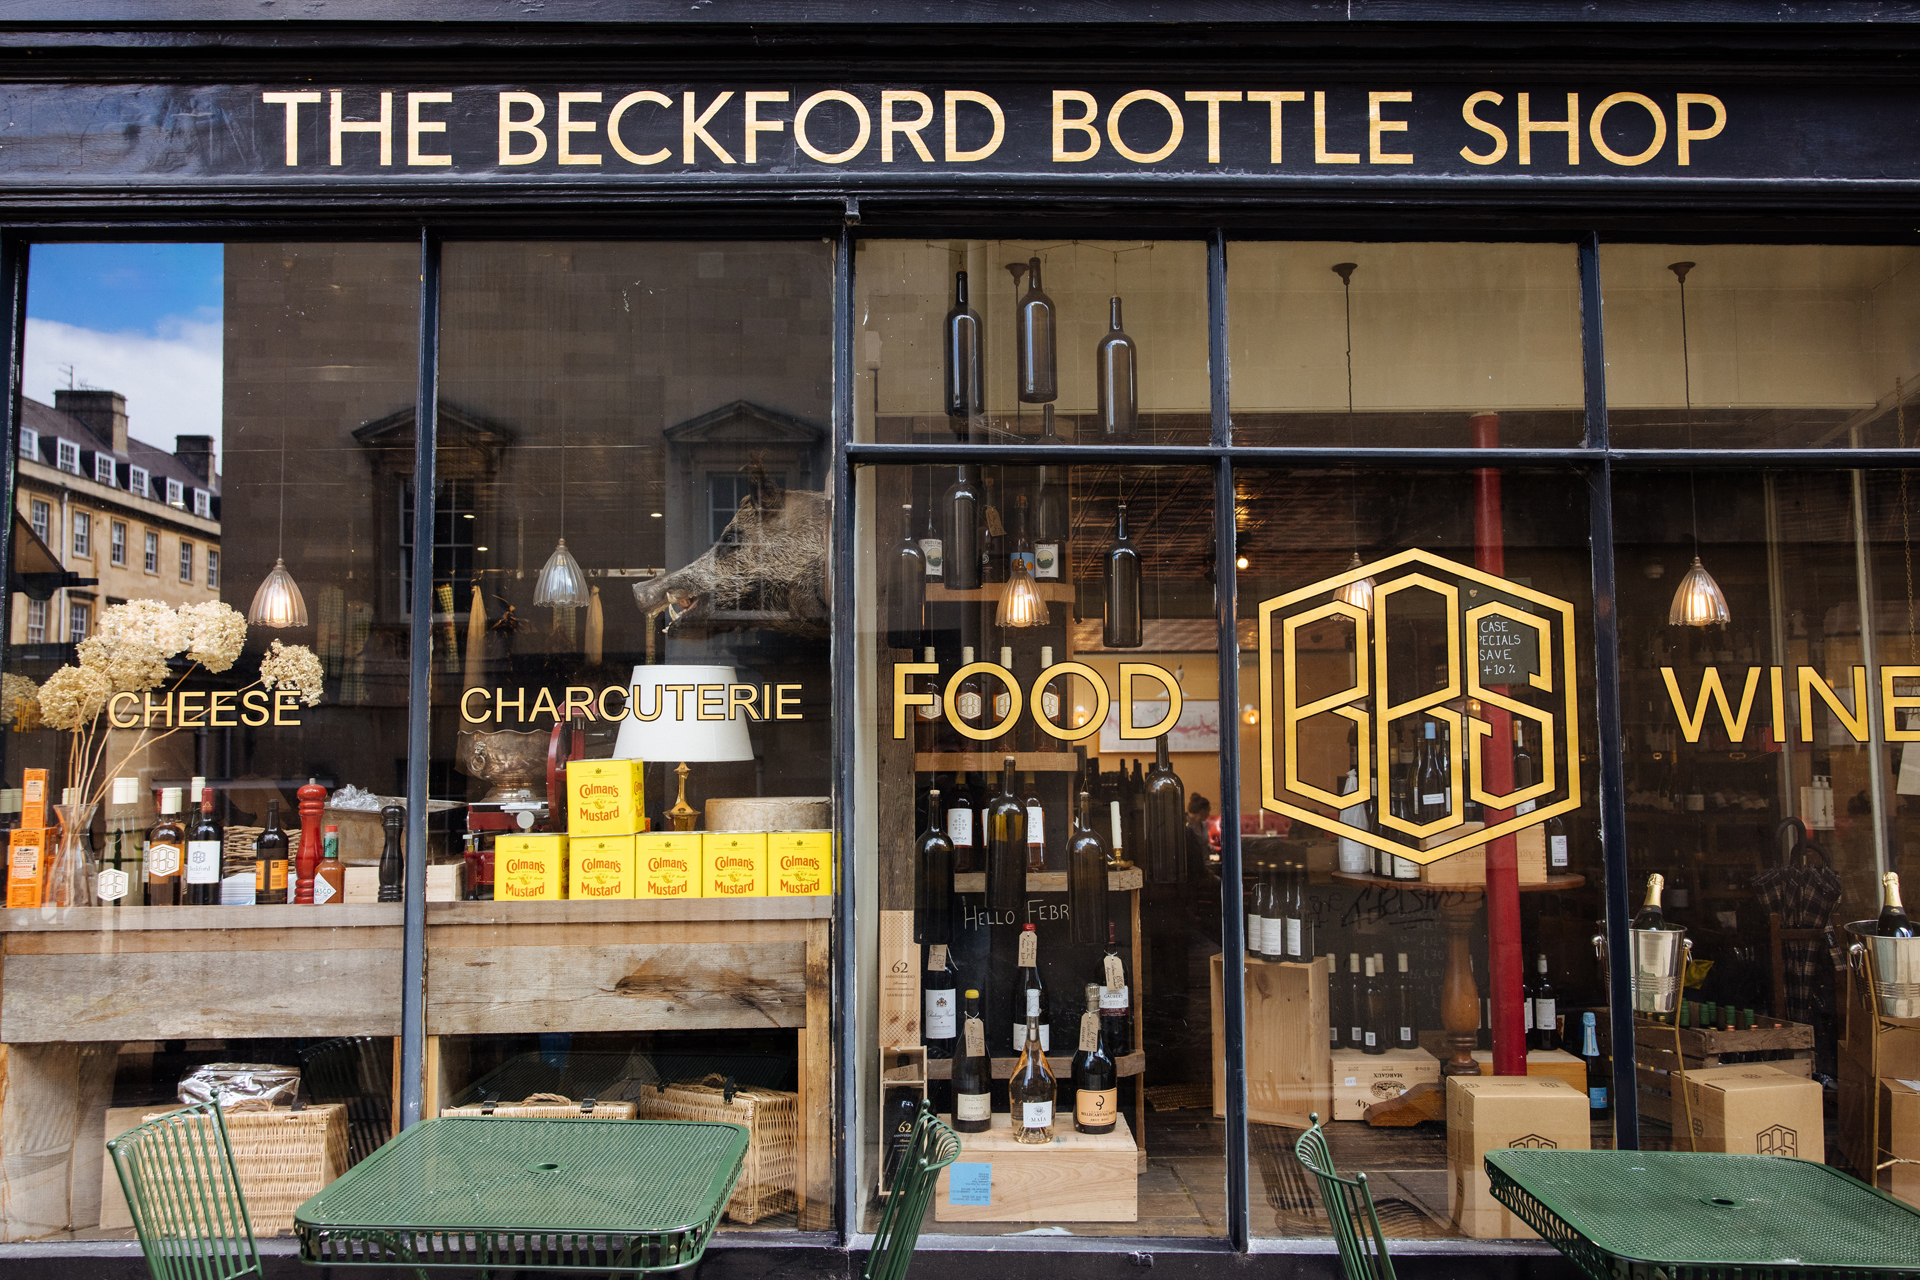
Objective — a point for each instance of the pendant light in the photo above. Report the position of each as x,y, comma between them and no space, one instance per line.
1698,601
1020,603
561,584
1358,593
278,602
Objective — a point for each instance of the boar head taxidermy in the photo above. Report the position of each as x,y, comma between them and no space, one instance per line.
770,565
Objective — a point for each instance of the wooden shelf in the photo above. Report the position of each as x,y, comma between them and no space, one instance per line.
1130,1064
1051,592
993,761
212,919
636,910
1052,881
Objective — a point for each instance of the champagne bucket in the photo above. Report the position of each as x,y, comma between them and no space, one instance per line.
1891,964
1659,966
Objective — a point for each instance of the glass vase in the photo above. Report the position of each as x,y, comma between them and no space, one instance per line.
74,866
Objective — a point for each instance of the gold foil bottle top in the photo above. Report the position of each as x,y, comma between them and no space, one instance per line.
1655,883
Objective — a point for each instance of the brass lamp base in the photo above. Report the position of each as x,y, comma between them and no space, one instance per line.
682,815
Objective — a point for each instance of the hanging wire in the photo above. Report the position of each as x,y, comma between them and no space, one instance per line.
1906,525
1680,270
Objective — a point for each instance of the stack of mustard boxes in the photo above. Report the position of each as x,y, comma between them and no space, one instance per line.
607,851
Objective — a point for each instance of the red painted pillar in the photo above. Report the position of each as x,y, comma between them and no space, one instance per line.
1506,961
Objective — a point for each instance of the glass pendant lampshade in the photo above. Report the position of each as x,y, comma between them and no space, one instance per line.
1020,603
561,584
1358,593
1698,602
278,602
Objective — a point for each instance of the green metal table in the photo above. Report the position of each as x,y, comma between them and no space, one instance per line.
1683,1215
560,1195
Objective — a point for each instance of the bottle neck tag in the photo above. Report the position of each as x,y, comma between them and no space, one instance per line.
975,1034
1089,1031
1029,949
1116,975
936,957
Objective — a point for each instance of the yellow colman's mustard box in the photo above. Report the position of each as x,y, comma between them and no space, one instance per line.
733,864
606,797
799,863
599,866
666,864
529,868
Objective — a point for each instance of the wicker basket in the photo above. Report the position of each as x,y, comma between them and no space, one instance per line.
546,1106
236,848
768,1183
284,1156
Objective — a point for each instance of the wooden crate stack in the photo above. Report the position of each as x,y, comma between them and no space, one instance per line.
1788,1047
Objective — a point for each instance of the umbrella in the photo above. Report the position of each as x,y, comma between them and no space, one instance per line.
476,640
596,629
1803,890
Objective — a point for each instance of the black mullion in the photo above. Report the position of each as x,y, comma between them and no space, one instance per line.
13,290
419,711
1233,1001
1606,694
844,657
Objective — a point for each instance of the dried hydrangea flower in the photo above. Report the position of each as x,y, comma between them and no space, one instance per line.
294,666
146,622
73,696
216,632
19,701
128,665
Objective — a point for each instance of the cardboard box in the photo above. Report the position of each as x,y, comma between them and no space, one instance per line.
1487,1113
1289,1073
666,864
26,866
1751,1108
1544,1062
606,797
1077,1177
799,864
1900,1136
599,867
446,881
733,864
33,798
530,868
362,885
1469,866
1361,1079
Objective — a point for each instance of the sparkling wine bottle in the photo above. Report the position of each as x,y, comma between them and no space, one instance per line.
1096,1076
1893,916
1033,336
966,380
1120,629
972,1072
1651,917
1116,380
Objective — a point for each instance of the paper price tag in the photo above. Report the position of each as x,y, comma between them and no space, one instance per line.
1116,975
937,956
1029,949
975,1034
1089,1031
970,1183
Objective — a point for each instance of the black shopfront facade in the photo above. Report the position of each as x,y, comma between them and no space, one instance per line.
1385,337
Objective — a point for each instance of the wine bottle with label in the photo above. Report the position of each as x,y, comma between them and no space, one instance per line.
1431,781
1096,1076
1052,699
940,990
119,880
1035,359
1557,854
1374,1029
1336,1002
970,703
166,852
203,853
1036,826
1546,1010
1257,913
1031,1091
1405,1036
972,1072
1356,1003
1295,913
930,722
1086,878
1651,917
1523,773
960,538
1003,701
1027,988
933,881
1006,845
966,376
1116,997
932,546
907,587
1596,1070
1893,921
270,859
1050,531
1121,626
960,824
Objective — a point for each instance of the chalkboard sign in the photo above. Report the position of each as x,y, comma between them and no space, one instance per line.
1508,651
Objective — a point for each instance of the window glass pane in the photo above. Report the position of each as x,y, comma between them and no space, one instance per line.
240,372
1760,346
1773,820
1404,345
1154,908
1390,653
604,406
1129,316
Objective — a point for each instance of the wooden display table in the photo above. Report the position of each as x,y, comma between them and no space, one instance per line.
1075,1178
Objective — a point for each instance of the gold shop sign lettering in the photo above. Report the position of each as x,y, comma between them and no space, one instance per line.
1498,634
1017,700
642,702
221,709
1849,712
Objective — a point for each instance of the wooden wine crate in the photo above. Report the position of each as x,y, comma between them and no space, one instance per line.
900,962
1289,1068
1075,1178
1469,866
1789,1048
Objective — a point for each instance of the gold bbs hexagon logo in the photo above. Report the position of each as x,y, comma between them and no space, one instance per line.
1433,641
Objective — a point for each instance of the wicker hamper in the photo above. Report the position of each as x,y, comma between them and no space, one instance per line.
546,1106
282,1156
772,1120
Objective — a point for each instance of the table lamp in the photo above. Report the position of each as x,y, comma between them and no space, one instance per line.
677,732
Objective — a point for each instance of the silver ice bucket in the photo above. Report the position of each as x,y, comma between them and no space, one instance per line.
1659,966
1892,965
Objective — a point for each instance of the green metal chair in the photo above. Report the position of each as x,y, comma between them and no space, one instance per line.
184,1194
1349,1205
931,1148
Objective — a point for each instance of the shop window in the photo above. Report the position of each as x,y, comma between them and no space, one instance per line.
152,561
36,621
40,516
68,455
117,542
1383,345
82,534
103,469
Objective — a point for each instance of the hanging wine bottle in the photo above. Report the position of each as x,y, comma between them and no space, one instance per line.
966,370
1121,627
907,590
960,552
1049,509
1006,846
933,861
1166,818
1116,380
932,549
1039,380
1086,878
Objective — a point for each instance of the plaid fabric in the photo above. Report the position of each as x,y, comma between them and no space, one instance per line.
1804,894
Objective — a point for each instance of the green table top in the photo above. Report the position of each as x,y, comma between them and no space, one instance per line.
1712,1210
481,1174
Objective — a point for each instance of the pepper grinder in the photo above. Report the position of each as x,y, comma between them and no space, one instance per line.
393,819
313,798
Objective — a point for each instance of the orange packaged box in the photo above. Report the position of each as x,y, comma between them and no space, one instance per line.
26,866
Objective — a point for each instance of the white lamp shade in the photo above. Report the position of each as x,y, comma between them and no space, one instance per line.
678,733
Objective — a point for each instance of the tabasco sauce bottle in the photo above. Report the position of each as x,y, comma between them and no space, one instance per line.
166,852
330,877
